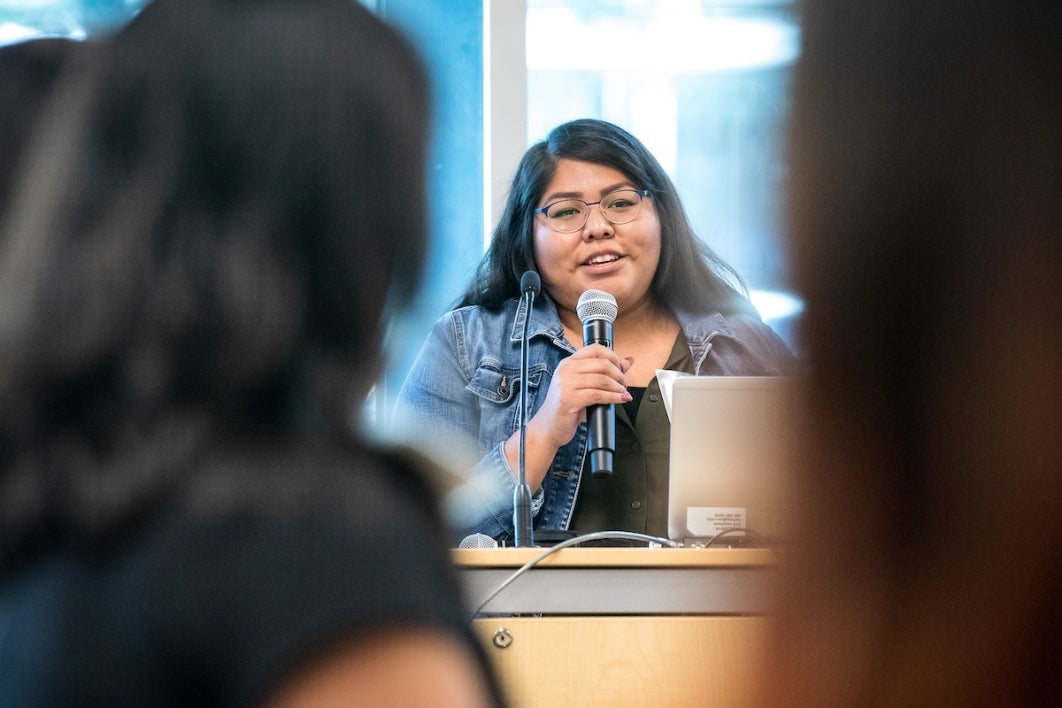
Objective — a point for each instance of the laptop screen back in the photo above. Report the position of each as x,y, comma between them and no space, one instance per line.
732,440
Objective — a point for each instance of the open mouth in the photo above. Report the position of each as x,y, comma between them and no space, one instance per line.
602,259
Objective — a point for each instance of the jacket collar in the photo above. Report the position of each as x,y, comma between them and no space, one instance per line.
544,319
700,328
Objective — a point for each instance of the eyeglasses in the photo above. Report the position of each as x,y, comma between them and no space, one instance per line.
570,215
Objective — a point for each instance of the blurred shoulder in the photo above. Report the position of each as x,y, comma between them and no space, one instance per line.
351,480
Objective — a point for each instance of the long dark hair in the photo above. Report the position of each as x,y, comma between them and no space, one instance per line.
208,253
690,276
28,71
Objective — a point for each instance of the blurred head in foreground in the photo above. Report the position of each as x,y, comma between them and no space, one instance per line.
209,235
927,152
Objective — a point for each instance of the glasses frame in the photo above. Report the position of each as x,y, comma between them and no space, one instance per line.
642,194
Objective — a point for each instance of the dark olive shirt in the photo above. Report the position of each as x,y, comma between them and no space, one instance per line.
634,496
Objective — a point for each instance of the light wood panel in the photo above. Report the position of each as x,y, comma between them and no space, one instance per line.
625,661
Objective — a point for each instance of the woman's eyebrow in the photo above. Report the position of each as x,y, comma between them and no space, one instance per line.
619,185
579,195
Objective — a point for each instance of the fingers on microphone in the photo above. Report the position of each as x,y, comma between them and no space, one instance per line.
600,352
606,389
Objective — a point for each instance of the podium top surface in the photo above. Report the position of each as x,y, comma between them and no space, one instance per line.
611,557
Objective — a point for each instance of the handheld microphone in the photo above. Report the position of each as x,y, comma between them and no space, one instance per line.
477,540
597,311
530,284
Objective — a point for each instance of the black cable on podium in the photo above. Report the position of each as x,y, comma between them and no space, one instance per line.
523,536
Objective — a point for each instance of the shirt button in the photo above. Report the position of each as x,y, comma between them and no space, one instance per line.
654,398
636,505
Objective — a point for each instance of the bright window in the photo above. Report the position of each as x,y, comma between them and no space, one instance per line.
705,85
24,19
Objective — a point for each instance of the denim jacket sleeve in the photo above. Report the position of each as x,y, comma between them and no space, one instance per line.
459,402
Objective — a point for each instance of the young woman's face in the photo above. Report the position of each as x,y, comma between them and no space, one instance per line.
620,259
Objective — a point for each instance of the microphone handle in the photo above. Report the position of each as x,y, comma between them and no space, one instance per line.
600,419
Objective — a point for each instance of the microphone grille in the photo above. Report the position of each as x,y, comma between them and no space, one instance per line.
478,540
530,281
597,305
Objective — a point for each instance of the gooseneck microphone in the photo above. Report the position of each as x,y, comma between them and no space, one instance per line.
597,311
523,537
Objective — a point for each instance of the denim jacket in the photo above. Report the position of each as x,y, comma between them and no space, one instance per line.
462,396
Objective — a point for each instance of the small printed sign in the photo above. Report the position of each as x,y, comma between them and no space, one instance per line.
710,520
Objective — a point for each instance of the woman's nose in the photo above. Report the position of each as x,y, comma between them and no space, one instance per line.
597,226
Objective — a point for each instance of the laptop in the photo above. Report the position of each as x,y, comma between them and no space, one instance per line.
732,439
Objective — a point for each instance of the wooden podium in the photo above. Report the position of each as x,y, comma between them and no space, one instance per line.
620,626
